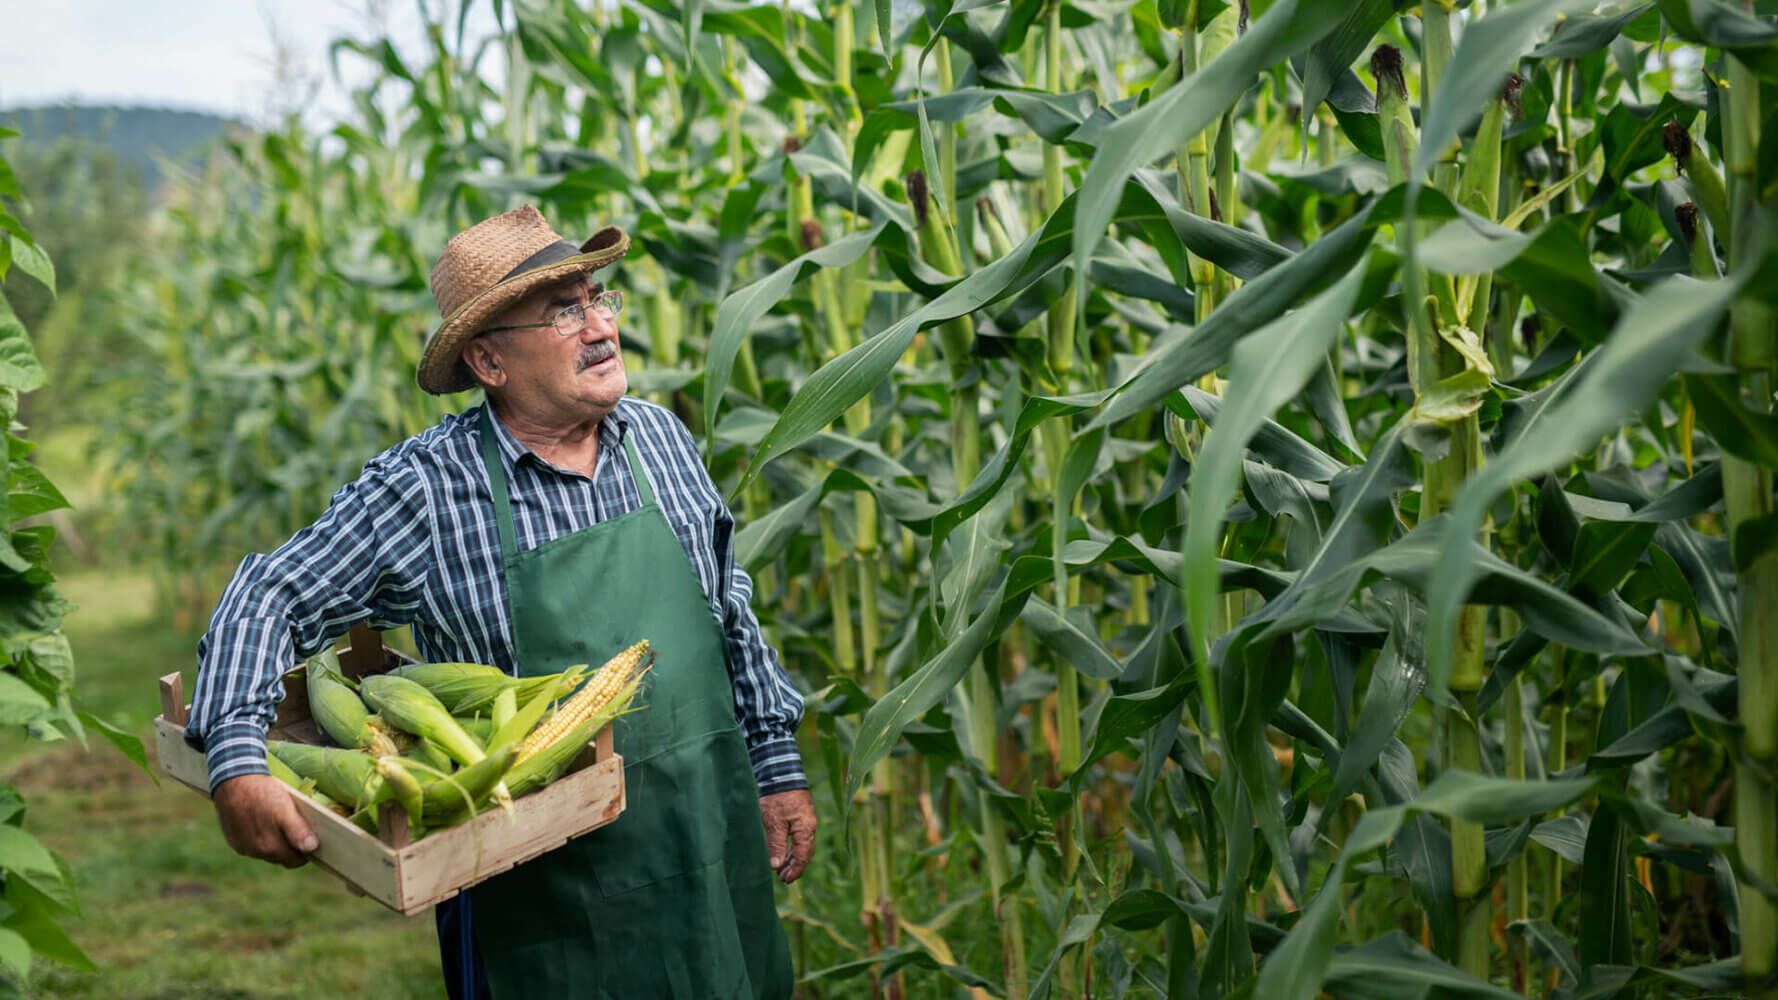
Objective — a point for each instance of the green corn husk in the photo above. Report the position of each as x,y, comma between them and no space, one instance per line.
547,764
282,772
506,705
410,706
448,799
515,729
341,714
479,726
404,788
349,777
428,753
306,786
464,688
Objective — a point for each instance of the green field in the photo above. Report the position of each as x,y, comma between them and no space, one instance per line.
167,910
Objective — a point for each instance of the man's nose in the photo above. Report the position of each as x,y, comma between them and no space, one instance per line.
597,327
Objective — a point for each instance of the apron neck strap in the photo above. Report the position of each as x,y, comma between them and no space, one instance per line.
497,482
638,473
497,479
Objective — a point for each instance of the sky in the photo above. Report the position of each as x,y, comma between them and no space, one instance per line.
201,55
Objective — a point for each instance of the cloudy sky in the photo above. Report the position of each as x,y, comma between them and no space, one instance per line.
208,55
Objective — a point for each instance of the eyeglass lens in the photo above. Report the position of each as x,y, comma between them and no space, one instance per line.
605,305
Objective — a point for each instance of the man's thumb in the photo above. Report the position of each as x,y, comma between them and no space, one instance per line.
297,831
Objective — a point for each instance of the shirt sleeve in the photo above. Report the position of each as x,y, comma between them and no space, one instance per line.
769,706
766,702
366,559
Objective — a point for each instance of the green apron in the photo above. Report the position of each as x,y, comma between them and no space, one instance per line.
674,898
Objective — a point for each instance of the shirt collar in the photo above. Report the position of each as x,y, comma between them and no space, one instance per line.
611,433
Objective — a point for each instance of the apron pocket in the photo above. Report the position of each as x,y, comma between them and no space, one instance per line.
677,816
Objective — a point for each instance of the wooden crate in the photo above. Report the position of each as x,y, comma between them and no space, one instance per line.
404,876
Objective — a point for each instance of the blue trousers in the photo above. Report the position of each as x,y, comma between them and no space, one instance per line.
464,976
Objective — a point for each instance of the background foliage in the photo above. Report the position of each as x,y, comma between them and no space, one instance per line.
1265,499
36,663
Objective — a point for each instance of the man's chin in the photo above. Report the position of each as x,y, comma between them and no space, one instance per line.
605,389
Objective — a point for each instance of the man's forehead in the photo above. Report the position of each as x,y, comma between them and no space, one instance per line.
565,292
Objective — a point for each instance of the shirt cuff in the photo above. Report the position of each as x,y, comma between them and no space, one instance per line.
777,765
234,749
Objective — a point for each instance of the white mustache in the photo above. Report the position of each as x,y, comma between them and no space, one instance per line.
597,352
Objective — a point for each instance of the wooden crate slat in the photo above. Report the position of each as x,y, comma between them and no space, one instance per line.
479,849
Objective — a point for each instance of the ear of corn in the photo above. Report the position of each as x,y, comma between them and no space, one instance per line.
409,705
605,686
526,718
547,763
404,788
346,776
412,707
341,714
465,688
449,798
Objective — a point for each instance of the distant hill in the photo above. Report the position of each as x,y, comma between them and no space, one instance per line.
135,135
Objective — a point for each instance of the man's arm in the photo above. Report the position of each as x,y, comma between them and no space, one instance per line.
368,556
770,709
768,705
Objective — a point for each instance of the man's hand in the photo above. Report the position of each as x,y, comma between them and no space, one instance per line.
790,831
260,820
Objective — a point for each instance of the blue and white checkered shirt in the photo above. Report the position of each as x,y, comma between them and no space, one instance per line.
413,542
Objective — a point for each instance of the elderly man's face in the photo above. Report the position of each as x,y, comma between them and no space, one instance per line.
539,371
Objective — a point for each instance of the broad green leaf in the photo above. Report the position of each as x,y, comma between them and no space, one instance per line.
1604,892
924,688
1604,554
127,743
1584,34
20,370
1484,56
1735,427
841,382
1393,965
15,952
32,260
20,703
1184,110
1270,367
737,314
1619,379
1072,639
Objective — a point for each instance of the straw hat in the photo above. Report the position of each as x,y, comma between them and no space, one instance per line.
489,266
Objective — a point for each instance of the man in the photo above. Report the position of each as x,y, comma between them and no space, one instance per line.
554,525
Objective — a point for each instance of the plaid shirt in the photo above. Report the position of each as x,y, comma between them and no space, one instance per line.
413,541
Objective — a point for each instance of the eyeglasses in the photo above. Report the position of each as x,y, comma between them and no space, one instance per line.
572,320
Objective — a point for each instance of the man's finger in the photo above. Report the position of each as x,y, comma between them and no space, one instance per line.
775,836
802,847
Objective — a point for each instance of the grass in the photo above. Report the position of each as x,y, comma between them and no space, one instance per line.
167,910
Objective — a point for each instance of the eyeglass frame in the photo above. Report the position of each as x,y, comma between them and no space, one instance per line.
611,299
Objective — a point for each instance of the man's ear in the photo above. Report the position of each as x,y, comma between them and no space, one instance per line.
484,361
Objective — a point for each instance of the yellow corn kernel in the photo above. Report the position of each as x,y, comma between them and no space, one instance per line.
605,685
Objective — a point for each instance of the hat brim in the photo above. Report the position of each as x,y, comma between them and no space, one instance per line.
442,371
